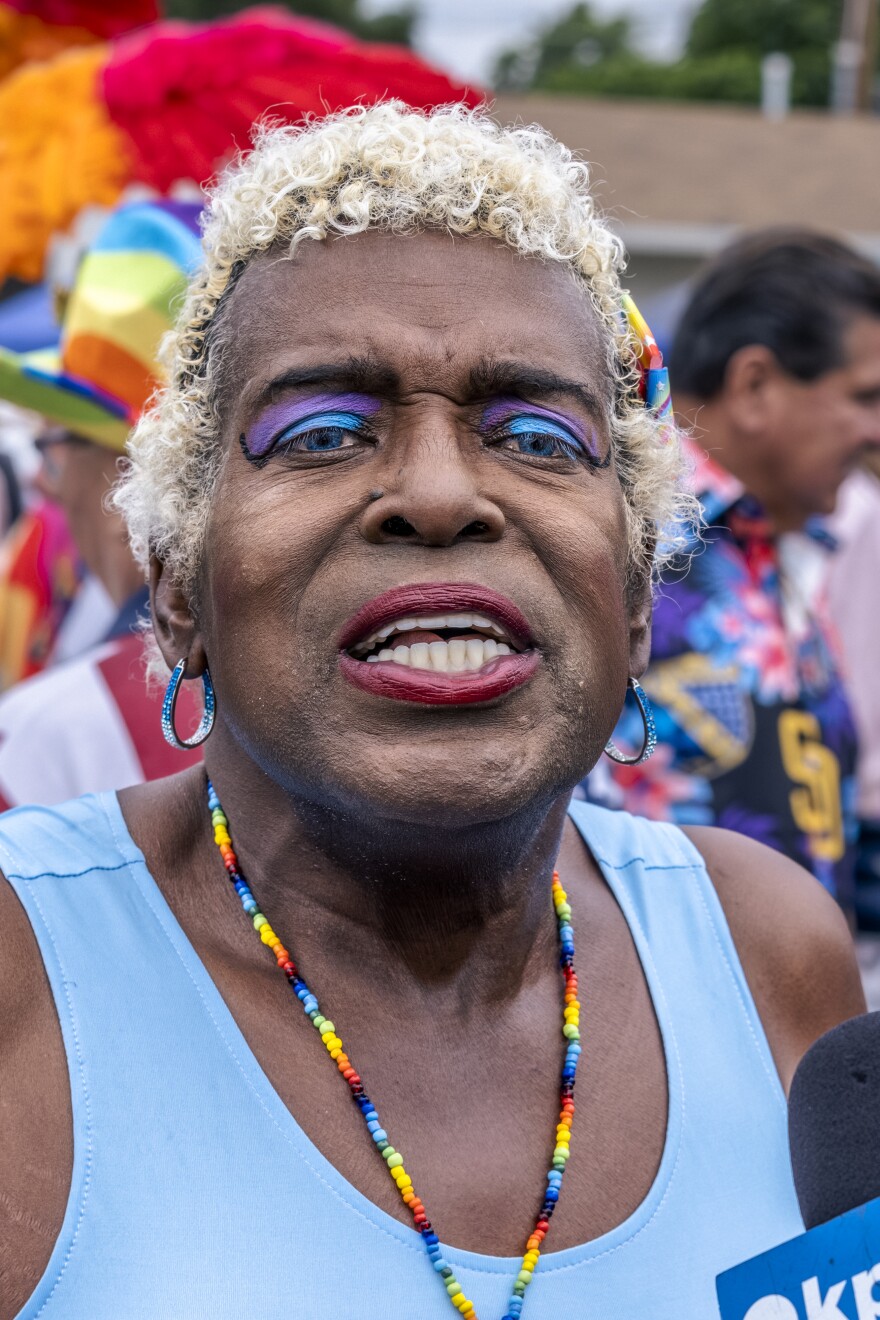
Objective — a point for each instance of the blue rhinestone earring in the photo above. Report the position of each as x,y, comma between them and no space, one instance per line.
647,715
170,702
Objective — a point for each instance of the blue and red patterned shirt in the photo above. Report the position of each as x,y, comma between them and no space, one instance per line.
754,730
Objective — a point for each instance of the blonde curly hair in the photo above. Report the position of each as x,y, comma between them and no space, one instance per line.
384,167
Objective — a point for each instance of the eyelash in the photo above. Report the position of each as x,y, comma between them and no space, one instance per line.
321,424
526,424
513,428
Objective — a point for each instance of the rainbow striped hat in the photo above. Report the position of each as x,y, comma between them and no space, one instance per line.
127,291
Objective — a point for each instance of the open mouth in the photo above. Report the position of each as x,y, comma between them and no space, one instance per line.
446,643
438,643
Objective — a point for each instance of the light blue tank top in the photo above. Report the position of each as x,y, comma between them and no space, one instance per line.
196,1196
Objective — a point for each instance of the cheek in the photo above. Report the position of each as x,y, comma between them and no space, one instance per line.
584,552
830,424
586,555
266,541
853,423
825,441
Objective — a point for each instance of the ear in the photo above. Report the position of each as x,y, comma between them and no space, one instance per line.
751,388
640,614
174,623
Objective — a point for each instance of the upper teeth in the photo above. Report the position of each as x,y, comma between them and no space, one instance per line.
453,657
430,622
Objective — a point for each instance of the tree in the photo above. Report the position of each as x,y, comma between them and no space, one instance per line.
579,41
395,26
804,29
726,43
763,26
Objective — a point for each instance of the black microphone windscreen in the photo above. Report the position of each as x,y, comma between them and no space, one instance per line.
834,1121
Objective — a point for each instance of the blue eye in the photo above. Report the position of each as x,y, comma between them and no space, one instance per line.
540,438
322,433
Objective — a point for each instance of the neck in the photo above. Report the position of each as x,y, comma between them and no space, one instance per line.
454,906
750,461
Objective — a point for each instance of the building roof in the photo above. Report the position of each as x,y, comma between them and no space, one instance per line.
680,178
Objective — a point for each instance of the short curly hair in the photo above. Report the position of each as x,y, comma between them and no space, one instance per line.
392,168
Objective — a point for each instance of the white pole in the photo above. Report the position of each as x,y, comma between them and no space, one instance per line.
776,71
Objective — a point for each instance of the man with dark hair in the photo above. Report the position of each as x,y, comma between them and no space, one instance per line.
776,372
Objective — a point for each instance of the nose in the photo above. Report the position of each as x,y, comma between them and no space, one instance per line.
432,498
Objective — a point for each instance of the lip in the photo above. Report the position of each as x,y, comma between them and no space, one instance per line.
434,598
401,683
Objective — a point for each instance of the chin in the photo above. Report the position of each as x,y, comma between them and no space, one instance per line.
456,809
812,504
453,789
826,502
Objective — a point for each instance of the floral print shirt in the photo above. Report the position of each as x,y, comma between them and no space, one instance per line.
754,730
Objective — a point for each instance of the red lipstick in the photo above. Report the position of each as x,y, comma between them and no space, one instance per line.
400,682
434,598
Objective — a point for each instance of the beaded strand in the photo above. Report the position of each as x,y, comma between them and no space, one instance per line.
393,1159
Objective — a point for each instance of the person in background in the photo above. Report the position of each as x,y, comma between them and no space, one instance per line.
51,607
41,579
852,600
92,724
776,371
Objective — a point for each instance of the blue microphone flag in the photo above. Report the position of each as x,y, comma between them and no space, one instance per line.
830,1273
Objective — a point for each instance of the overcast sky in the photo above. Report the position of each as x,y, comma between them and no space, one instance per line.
464,36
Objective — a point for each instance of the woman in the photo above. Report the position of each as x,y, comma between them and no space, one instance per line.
399,501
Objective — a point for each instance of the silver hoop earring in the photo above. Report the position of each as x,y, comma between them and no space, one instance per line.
647,715
169,705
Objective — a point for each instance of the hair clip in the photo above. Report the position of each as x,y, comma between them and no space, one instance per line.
653,375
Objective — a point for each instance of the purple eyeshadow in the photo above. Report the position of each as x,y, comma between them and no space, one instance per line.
260,437
501,410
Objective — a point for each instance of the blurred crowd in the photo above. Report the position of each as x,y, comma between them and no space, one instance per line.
762,678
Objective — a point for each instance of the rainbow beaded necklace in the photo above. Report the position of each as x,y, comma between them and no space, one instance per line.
392,1158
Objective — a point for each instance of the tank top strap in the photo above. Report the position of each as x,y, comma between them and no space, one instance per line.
76,839
680,931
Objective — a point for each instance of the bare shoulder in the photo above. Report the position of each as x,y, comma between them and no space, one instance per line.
36,1124
35,1139
25,996
792,939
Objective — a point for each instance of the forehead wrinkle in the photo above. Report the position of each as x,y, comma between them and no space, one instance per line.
242,326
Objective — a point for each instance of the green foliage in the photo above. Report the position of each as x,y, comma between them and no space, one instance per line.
579,41
763,26
583,55
804,29
395,26
732,77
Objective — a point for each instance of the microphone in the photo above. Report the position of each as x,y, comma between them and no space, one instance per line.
834,1121
831,1272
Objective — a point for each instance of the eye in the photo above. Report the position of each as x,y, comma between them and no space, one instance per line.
321,434
538,437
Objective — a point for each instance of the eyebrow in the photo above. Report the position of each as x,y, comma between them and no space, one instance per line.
356,375
488,378
524,380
